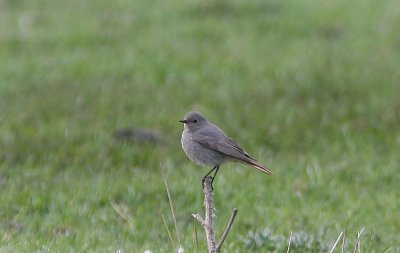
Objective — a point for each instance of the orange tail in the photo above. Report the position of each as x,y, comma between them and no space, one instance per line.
260,167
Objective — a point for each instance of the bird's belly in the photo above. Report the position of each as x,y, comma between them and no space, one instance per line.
201,154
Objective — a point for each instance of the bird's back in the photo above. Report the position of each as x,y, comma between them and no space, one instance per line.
211,130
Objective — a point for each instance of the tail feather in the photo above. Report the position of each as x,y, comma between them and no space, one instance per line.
260,167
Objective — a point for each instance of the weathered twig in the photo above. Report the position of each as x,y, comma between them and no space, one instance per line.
227,229
209,218
208,221
199,219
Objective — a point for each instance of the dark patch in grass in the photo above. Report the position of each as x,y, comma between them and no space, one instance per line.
14,225
228,9
62,231
331,32
139,135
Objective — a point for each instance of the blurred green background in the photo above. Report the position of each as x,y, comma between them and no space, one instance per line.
309,88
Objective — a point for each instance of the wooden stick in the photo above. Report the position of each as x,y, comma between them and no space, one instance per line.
209,219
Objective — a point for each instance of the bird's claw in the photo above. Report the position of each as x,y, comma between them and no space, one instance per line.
204,180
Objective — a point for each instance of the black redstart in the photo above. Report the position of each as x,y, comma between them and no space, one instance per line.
206,144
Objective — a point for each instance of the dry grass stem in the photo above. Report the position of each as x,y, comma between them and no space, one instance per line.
344,242
289,242
172,210
357,248
196,237
337,240
123,211
166,227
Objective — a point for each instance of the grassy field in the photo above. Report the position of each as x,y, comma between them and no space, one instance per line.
309,88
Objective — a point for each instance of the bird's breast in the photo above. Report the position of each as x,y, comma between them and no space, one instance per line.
199,153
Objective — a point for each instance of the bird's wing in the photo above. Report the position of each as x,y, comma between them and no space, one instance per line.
230,148
224,145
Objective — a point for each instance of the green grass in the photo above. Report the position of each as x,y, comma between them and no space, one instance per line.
309,88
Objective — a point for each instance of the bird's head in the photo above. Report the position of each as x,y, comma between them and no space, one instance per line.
194,121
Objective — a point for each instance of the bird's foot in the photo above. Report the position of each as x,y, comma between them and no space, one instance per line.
203,181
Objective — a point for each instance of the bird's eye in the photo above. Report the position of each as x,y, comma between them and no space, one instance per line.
195,121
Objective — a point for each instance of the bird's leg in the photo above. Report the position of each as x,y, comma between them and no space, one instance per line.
215,174
216,168
204,178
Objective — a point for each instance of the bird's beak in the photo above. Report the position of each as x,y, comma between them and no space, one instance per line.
183,121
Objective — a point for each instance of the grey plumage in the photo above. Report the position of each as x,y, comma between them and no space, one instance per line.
207,145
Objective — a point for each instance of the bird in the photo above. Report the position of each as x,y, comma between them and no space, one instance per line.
207,145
